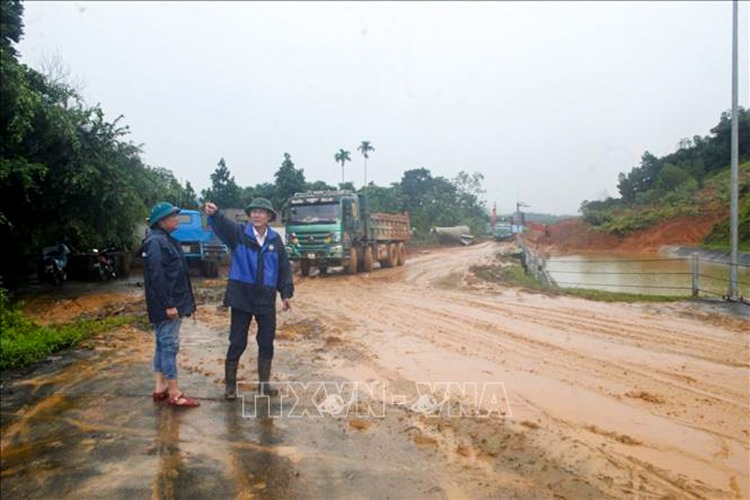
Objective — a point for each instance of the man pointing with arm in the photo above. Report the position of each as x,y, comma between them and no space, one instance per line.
259,270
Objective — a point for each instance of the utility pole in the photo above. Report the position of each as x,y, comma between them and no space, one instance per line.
734,181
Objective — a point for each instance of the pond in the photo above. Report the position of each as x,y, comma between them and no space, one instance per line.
655,274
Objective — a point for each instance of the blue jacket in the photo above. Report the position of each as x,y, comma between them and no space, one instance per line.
256,273
165,277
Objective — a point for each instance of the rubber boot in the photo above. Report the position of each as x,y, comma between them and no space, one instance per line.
264,375
230,379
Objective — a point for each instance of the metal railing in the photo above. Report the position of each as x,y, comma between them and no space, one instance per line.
700,283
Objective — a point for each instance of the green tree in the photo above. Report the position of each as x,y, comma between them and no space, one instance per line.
289,180
224,190
319,186
718,146
67,174
11,24
342,157
385,199
469,184
671,177
365,148
641,178
189,197
436,201
264,190
416,187
472,208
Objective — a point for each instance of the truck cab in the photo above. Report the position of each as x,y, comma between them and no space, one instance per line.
321,227
200,245
335,228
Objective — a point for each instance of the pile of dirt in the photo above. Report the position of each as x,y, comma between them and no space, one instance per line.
46,310
574,234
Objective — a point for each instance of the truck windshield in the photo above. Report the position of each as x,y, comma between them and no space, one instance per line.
314,214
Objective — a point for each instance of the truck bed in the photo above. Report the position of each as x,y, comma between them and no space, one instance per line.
389,227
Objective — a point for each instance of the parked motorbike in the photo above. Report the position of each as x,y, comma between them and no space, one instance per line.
104,265
53,264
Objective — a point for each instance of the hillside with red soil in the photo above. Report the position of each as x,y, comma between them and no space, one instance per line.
574,234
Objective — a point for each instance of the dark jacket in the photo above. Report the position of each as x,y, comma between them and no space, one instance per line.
257,272
165,277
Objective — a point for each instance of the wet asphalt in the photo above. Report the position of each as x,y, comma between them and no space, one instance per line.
84,425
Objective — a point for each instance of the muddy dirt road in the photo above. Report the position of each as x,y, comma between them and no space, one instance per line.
411,382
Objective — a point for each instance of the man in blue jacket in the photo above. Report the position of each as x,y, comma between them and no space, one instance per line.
259,270
169,298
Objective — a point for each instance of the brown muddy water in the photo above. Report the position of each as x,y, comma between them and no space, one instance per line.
654,274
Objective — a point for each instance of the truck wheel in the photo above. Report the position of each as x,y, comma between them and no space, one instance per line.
203,268
367,259
351,268
304,267
401,252
323,270
213,269
392,255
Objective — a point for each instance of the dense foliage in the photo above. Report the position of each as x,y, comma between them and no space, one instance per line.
68,174
685,170
430,201
694,180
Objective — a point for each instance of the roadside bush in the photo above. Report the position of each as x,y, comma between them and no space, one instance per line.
597,217
719,235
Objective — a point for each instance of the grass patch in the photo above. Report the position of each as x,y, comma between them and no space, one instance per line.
509,271
23,342
511,274
743,247
604,296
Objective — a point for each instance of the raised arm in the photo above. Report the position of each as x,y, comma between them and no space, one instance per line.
229,232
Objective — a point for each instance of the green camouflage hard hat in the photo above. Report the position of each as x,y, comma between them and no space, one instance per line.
160,211
264,204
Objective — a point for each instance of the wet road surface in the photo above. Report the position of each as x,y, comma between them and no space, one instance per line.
570,399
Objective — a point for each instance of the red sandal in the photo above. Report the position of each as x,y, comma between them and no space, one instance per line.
183,401
161,396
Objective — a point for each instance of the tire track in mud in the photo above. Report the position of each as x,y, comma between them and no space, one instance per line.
547,342
688,340
692,343
557,320
487,333
575,371
567,342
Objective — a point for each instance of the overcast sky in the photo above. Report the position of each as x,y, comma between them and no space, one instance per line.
548,100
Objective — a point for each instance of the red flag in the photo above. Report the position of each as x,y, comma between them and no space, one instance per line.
493,215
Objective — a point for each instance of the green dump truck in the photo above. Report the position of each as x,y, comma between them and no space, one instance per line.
334,228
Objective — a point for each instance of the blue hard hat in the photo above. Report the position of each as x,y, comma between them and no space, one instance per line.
161,210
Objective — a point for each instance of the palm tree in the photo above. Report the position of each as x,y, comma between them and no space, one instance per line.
342,157
365,147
